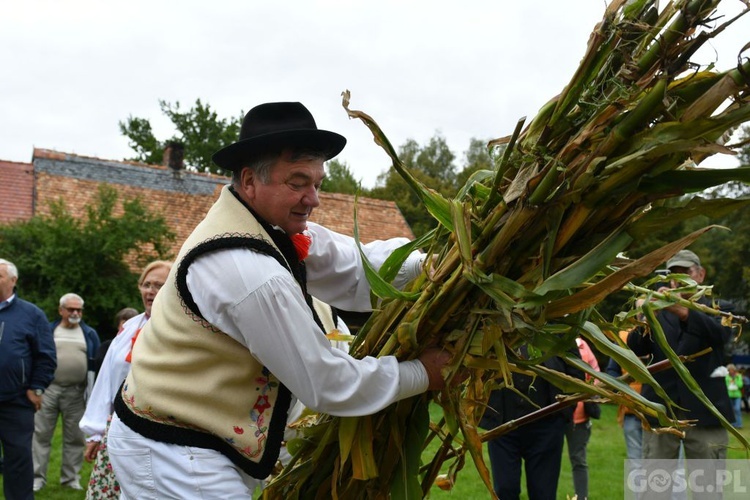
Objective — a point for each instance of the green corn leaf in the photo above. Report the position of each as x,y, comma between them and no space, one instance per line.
690,181
347,435
596,292
406,484
587,266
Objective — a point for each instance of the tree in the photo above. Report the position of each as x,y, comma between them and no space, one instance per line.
477,157
199,129
339,179
432,165
90,255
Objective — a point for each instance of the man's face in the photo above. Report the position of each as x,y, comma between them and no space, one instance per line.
289,196
6,282
71,312
697,273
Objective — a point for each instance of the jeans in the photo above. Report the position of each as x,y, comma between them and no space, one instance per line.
16,431
632,430
737,407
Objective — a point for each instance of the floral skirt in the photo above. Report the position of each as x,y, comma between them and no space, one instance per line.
102,483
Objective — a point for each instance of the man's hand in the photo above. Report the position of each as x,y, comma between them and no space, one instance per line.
434,360
680,311
35,400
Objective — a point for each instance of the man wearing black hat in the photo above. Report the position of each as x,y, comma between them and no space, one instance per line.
235,335
688,332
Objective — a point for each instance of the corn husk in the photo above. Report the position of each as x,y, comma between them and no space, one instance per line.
524,253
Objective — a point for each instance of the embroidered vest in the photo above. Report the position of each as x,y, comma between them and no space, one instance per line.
191,384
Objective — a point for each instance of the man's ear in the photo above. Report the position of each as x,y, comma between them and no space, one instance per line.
701,275
248,179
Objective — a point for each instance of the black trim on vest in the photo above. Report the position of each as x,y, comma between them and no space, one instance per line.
190,437
222,242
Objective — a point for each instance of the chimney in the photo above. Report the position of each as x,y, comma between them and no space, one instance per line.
174,153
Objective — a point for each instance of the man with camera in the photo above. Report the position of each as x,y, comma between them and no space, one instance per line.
688,331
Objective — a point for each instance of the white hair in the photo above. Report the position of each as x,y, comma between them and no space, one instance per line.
69,296
12,269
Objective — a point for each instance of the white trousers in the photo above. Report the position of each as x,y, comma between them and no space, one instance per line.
148,469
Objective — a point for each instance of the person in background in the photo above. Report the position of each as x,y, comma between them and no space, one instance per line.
578,430
76,344
632,428
746,390
27,367
734,389
535,446
688,332
114,369
121,317
235,335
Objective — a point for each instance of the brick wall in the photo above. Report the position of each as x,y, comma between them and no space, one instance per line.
183,198
16,191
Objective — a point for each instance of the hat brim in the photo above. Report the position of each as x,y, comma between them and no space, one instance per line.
681,263
237,155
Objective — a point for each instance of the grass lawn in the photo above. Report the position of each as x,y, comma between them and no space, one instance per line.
606,453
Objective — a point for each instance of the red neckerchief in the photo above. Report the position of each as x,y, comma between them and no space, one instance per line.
129,357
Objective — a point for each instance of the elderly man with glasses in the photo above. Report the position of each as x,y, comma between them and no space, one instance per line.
77,345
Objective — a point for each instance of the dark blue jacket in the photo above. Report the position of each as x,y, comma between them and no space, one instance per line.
92,342
699,332
27,350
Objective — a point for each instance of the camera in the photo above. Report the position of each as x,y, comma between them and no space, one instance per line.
663,282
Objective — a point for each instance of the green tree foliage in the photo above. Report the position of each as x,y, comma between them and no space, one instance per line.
199,129
64,252
477,157
339,179
434,165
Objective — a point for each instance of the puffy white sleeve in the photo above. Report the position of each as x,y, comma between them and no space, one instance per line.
113,371
335,273
253,299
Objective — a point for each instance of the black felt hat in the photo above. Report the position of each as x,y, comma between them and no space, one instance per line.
275,125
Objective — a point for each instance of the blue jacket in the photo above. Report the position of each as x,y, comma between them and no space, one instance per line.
699,332
27,350
92,341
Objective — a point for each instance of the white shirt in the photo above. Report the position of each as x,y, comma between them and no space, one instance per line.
253,299
113,371
334,267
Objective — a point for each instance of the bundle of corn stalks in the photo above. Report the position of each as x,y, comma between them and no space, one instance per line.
524,253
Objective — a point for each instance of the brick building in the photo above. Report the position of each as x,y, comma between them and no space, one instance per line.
181,197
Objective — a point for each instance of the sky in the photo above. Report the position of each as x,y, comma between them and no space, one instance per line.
71,70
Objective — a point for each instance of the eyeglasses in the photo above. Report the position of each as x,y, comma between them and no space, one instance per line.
151,286
72,310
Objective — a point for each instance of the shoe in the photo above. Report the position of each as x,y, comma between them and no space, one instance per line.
38,484
73,486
